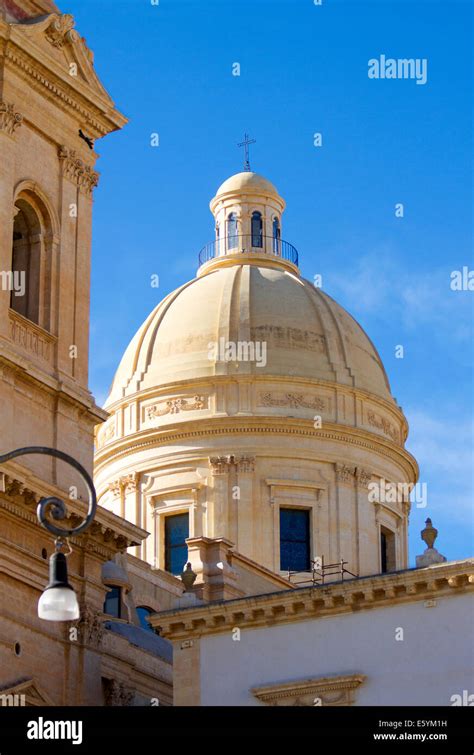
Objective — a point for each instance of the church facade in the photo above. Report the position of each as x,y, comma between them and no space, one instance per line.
239,554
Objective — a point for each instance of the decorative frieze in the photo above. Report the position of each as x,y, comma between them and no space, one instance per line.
382,424
177,405
289,338
10,119
293,400
76,170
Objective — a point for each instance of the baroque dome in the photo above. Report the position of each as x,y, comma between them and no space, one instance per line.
247,393
307,334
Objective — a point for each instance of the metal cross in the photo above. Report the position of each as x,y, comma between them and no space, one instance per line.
245,145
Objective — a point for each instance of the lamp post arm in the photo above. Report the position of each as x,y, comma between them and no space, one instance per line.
55,506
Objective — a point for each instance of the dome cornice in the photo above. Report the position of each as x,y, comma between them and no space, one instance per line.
261,425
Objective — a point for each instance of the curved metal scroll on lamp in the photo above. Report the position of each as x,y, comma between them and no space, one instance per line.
55,506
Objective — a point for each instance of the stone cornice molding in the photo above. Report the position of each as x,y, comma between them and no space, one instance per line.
82,95
330,690
107,535
258,425
76,170
305,603
58,389
10,119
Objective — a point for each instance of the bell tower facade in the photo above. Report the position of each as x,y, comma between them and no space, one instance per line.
52,110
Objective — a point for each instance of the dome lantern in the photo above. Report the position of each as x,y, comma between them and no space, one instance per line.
247,209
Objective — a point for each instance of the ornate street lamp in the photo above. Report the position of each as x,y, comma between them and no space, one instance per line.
58,601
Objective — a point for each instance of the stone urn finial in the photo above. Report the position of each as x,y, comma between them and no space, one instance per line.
429,534
188,577
431,555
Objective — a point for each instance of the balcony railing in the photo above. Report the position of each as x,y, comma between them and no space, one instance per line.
248,244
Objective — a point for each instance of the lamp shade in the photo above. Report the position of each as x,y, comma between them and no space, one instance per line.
58,601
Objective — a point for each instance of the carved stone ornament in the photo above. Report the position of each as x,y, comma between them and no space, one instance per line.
344,473
91,627
117,694
382,424
10,120
246,464
77,171
128,483
222,464
363,477
293,400
59,30
175,406
323,691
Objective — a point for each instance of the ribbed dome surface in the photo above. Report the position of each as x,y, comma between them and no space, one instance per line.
307,334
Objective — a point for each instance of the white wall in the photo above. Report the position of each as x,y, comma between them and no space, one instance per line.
434,661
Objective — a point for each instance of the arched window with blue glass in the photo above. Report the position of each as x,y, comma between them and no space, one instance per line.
143,612
232,231
257,230
276,236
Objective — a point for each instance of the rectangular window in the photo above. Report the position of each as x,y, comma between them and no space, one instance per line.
112,601
176,550
387,550
294,540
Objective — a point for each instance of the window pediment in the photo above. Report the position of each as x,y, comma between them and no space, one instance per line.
313,692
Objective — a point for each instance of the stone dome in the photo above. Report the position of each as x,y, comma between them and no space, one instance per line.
308,335
248,183
248,381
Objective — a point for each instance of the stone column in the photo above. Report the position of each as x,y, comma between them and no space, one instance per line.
366,533
348,519
244,503
218,522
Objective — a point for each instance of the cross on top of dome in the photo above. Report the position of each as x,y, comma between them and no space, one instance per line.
245,144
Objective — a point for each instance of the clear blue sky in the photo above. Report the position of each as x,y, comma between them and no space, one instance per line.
303,70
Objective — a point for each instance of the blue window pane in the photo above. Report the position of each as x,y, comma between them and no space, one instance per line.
276,237
143,613
112,602
232,231
294,540
176,550
257,229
